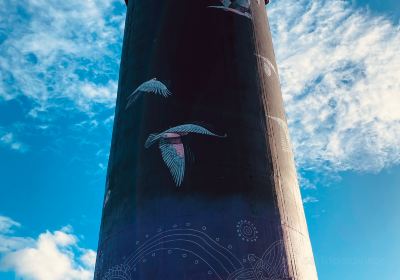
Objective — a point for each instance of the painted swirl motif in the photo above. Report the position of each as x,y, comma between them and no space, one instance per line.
247,231
182,242
271,266
120,272
189,243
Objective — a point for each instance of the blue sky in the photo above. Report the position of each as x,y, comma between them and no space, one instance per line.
339,68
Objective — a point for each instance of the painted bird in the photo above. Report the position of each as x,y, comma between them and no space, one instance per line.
240,7
245,4
153,86
285,138
172,148
226,3
268,66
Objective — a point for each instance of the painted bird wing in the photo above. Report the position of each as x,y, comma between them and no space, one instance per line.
173,154
243,3
191,128
153,137
232,10
268,65
273,261
271,65
285,139
226,3
280,122
180,129
240,7
243,274
172,148
153,86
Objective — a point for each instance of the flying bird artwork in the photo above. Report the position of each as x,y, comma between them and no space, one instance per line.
240,7
172,148
151,86
268,66
284,131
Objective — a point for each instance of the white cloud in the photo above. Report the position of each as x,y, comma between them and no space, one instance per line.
52,256
340,70
92,93
7,224
89,258
310,199
8,140
7,242
60,55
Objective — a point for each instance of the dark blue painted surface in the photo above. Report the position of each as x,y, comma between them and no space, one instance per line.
221,221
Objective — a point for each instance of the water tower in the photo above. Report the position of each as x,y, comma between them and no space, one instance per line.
201,180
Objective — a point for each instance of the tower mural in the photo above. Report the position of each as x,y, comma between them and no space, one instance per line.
201,181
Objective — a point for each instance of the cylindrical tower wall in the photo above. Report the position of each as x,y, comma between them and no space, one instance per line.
201,180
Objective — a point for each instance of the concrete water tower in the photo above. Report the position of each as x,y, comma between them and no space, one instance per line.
201,180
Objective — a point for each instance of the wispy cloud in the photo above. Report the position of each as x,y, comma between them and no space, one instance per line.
7,225
310,199
53,255
8,140
339,68
340,71
60,55
9,242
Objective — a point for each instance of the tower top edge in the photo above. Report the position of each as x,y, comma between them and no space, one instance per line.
266,2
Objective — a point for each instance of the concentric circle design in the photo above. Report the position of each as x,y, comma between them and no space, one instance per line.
247,231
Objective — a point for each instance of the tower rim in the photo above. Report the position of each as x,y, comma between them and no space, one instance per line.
266,2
